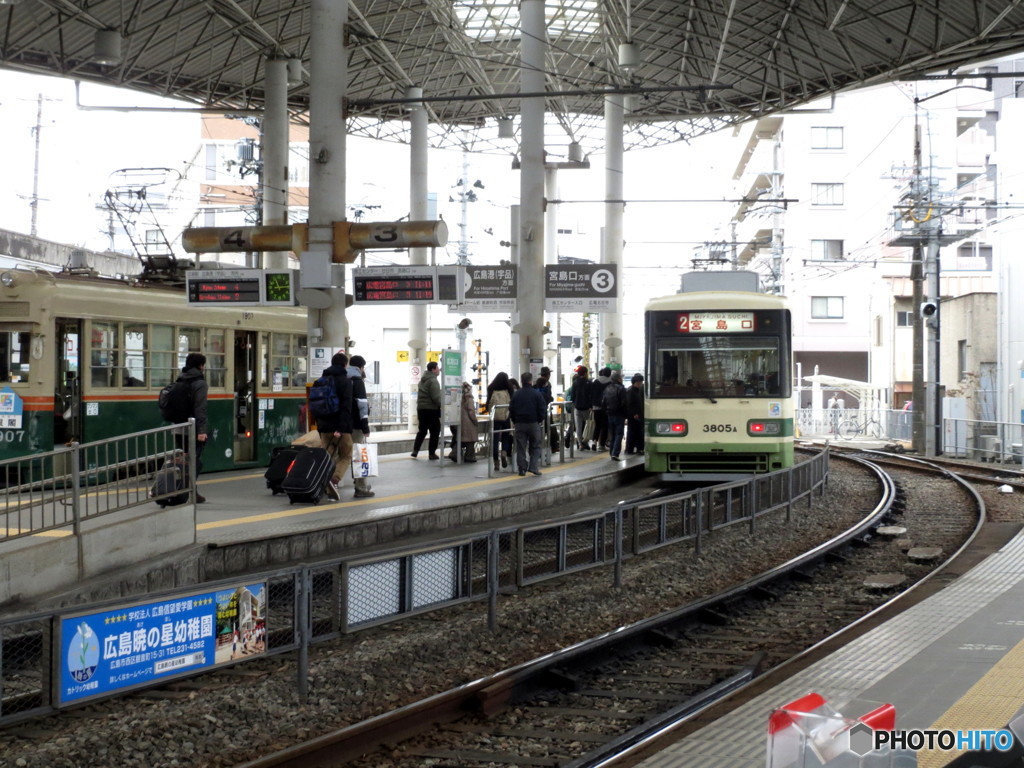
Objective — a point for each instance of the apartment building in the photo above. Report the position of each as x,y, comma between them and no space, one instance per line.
835,202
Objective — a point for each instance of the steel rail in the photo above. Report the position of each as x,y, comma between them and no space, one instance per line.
493,693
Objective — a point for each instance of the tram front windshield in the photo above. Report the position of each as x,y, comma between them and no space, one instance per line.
717,366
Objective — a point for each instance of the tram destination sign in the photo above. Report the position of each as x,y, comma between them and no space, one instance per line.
581,288
715,322
241,287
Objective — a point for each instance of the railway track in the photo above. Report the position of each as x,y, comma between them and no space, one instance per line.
600,698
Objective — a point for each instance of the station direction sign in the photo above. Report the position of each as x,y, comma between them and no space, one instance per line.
489,288
581,288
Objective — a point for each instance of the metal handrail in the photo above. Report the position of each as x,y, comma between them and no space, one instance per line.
51,490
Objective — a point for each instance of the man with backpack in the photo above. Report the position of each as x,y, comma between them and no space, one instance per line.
186,399
330,402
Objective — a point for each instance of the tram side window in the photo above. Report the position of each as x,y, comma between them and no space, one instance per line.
134,372
14,356
215,366
189,340
104,356
162,358
284,358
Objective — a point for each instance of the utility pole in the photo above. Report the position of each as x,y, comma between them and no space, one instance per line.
925,210
34,203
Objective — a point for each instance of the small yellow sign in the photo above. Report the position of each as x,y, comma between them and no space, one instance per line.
403,356
433,357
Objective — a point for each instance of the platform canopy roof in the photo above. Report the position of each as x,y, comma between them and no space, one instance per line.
702,64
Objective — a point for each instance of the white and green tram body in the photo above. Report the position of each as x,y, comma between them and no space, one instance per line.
84,358
719,387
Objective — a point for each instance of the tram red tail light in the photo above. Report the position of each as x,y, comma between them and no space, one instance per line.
757,428
677,428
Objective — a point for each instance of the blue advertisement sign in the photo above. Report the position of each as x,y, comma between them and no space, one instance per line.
132,645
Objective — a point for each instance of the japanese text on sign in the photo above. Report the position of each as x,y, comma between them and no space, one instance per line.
715,322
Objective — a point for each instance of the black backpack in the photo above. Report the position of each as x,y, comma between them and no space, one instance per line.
176,401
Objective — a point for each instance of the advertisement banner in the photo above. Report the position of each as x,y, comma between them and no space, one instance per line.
132,645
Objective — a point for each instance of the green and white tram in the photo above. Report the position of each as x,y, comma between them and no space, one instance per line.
719,386
84,358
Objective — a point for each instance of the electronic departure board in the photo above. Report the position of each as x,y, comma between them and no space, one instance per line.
395,285
403,289
240,287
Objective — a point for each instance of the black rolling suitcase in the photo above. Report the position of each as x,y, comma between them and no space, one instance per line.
308,475
280,459
173,476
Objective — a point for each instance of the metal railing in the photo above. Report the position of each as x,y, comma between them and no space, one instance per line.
977,439
319,602
993,441
558,429
387,408
55,489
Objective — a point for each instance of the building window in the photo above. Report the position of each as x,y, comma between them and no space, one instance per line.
974,255
904,319
826,194
826,250
210,162
298,165
827,137
827,307
961,357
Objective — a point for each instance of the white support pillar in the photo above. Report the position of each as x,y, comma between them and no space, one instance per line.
533,47
516,345
550,340
611,322
417,256
551,216
274,155
327,87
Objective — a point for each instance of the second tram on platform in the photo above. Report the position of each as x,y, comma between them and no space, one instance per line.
719,388
84,358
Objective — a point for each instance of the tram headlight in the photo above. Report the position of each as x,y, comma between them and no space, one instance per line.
677,428
7,279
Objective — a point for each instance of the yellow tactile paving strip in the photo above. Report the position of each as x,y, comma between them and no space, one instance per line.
988,705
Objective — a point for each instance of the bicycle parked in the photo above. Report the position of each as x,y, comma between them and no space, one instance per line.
853,428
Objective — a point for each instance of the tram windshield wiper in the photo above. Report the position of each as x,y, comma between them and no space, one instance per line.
705,393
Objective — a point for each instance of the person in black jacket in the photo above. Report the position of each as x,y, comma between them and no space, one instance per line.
193,373
336,428
614,400
635,415
527,412
579,393
597,406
